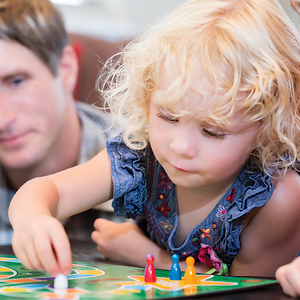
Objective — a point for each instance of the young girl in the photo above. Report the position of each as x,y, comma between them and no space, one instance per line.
207,155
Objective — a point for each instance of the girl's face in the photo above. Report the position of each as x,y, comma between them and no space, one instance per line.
195,154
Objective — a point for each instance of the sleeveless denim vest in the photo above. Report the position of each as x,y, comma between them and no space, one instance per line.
142,188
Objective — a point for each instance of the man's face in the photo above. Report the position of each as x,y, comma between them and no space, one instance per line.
32,107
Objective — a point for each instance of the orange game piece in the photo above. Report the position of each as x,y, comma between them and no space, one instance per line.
190,276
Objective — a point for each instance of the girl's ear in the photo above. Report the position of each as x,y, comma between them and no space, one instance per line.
68,69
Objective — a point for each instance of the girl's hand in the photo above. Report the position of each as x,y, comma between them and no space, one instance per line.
40,240
117,241
289,278
42,243
126,243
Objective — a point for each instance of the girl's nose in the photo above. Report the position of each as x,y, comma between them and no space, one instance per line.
184,143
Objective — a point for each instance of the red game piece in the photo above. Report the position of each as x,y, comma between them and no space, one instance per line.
150,273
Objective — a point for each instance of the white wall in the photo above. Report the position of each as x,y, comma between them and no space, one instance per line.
115,19
292,14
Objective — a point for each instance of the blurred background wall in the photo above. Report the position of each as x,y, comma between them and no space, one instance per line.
115,19
99,28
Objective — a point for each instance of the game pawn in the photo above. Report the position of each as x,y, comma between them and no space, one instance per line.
150,273
61,282
175,272
190,276
61,285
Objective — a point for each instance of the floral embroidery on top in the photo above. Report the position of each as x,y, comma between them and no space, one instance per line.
221,212
164,181
214,225
218,248
163,209
231,196
205,233
166,226
196,240
161,196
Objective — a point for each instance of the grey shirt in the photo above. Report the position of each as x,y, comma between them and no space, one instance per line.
96,128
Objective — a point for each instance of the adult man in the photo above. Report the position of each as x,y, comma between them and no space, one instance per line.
42,129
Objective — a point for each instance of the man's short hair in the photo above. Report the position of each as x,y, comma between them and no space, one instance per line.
36,24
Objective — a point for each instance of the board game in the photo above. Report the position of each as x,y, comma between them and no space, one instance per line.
108,281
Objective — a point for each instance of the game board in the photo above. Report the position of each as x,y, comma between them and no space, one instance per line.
107,281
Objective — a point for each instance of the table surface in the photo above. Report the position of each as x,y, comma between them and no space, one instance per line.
87,252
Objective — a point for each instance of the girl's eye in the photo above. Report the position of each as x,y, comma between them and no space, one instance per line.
215,135
167,118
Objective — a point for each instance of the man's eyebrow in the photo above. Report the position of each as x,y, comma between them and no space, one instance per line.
11,75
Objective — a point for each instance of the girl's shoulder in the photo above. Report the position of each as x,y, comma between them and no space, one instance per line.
287,191
284,203
271,233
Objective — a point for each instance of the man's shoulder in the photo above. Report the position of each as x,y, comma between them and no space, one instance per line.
97,126
89,110
95,118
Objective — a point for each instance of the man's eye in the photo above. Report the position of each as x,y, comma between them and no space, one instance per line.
215,135
167,118
16,80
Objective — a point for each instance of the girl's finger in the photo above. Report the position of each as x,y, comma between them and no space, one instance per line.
46,255
33,257
62,249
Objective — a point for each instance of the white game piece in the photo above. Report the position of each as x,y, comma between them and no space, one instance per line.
61,282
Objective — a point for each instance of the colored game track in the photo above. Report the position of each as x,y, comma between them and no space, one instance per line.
107,281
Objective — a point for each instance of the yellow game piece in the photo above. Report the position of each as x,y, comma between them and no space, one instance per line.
190,276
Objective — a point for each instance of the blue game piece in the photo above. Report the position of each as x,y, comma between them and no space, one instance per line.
175,272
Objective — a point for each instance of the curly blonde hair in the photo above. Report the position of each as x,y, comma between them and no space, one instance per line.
248,46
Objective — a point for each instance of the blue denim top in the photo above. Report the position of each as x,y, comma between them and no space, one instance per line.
142,188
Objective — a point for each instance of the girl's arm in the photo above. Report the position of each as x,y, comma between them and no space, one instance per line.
289,278
272,236
39,240
126,243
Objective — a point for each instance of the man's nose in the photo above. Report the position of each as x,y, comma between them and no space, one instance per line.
7,113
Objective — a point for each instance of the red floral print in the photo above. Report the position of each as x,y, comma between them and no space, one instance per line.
231,196
164,209
164,181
